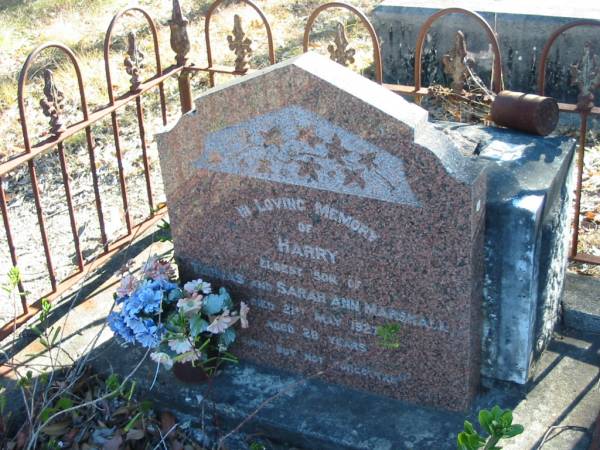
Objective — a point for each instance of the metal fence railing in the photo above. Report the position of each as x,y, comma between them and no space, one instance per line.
182,70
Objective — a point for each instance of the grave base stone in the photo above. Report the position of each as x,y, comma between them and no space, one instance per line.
528,218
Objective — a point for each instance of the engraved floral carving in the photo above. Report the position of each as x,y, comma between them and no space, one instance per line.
296,146
354,176
368,160
586,76
338,50
308,136
240,45
133,61
336,151
457,64
53,103
309,168
272,137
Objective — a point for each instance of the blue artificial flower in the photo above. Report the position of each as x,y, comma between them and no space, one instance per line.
151,299
117,324
164,285
149,337
133,304
135,324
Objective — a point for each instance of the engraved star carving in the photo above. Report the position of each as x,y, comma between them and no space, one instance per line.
354,176
308,136
368,160
309,169
336,151
272,137
264,166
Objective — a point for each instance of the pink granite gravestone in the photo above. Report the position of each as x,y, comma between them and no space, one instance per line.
332,208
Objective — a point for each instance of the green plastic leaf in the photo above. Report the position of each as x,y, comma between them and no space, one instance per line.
216,303
514,431
175,295
197,325
227,338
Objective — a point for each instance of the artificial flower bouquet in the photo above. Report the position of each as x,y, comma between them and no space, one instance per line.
182,324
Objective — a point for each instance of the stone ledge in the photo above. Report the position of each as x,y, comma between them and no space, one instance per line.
312,414
581,303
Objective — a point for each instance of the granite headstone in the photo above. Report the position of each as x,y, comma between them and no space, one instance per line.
332,207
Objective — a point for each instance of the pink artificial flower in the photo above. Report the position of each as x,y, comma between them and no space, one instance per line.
157,269
244,314
128,285
190,305
222,322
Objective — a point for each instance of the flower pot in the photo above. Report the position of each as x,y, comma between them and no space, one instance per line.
188,373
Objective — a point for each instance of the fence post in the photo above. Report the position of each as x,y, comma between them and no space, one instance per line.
180,43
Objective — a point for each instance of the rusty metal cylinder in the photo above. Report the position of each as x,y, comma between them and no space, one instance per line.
525,112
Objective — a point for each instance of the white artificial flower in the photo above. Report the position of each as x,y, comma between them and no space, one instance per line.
180,346
162,358
244,314
222,322
198,285
190,356
190,305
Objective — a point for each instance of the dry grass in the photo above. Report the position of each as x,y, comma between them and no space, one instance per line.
81,24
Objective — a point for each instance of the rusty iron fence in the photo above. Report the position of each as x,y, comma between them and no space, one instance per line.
182,70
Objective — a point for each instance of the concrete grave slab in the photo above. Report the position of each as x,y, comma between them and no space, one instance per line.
333,207
527,232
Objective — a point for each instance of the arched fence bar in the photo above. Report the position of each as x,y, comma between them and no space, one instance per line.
183,70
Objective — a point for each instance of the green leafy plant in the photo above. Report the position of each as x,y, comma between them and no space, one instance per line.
498,425
14,278
389,336
164,231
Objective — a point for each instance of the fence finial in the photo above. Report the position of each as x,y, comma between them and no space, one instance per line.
586,76
240,45
457,64
52,103
338,51
133,61
180,41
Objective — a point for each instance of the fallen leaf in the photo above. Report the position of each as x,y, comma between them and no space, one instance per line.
167,422
134,435
114,443
56,429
